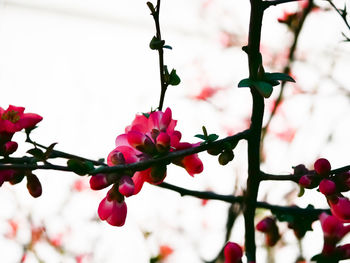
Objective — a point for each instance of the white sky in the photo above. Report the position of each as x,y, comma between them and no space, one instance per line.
85,66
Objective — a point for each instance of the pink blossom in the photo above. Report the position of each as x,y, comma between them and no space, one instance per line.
322,166
327,187
14,119
148,136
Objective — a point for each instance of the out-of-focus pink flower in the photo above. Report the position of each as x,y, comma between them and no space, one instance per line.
206,93
269,227
165,251
233,253
14,119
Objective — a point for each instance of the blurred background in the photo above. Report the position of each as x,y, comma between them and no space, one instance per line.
86,67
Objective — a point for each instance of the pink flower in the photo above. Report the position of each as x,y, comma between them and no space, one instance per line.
113,211
233,253
14,119
148,136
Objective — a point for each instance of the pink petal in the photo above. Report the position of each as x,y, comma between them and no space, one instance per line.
28,120
118,215
126,186
165,120
105,209
139,178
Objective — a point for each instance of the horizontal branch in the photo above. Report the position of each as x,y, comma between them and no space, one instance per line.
295,178
139,166
239,199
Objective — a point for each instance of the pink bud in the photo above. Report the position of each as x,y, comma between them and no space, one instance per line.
266,224
327,187
10,147
126,186
99,181
322,166
115,157
331,226
233,253
308,181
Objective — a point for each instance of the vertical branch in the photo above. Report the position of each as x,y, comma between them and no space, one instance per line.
254,60
164,85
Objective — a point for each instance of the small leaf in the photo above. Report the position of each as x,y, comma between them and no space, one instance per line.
201,136
156,43
212,137
37,153
151,7
80,167
49,150
245,83
278,76
205,132
167,46
264,88
301,191
174,79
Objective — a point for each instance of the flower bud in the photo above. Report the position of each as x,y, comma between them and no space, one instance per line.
10,147
99,181
322,166
126,186
327,187
233,253
225,157
115,157
33,185
340,208
113,211
308,181
6,175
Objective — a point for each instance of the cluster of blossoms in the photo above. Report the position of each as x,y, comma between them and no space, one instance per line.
333,231
269,228
13,120
149,136
329,184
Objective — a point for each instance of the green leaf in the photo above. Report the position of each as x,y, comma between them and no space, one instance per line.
156,43
37,153
212,137
278,76
167,46
264,88
49,150
174,79
205,132
245,83
80,167
201,136
301,191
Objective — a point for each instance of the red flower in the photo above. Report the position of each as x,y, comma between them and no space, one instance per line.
14,119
